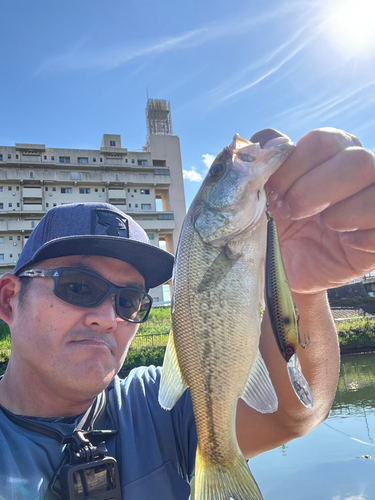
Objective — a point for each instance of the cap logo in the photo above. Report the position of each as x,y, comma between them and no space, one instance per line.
108,222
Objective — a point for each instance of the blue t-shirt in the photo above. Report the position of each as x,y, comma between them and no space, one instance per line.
155,449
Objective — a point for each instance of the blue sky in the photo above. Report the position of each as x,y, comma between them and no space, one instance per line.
71,71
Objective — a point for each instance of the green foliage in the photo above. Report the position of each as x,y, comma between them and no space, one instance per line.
4,330
159,322
356,333
144,356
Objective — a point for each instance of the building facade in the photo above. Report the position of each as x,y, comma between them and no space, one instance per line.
147,184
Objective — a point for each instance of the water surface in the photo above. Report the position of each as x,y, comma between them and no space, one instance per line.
325,464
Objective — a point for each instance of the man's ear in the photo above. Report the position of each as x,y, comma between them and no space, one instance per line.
9,288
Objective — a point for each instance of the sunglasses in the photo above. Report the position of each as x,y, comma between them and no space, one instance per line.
87,289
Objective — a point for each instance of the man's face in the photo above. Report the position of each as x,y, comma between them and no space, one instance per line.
68,347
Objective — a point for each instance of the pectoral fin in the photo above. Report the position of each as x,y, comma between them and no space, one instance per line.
172,384
259,392
217,270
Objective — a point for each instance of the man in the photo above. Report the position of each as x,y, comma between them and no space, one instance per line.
73,318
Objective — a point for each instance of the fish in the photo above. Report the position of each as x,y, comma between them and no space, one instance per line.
283,313
216,307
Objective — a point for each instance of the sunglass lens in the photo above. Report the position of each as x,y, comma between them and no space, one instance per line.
80,288
133,305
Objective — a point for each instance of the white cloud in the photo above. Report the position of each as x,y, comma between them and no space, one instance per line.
192,175
208,159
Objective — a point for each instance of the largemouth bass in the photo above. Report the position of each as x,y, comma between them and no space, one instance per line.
217,304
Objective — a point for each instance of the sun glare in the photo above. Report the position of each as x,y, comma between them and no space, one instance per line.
352,26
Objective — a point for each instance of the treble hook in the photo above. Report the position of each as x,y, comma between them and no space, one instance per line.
306,339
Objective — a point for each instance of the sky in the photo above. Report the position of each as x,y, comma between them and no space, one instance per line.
72,71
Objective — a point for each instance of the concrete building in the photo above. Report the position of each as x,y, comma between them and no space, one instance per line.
146,184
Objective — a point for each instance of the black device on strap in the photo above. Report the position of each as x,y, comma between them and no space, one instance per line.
85,472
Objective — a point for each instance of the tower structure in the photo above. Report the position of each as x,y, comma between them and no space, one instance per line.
158,117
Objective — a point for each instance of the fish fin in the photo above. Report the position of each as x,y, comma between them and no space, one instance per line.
299,383
172,384
259,392
224,482
217,270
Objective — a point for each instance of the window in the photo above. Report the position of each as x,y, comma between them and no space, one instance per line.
133,161
31,174
53,189
10,255
9,205
46,188
150,236
18,238
10,238
1,256
1,239
66,191
103,190
129,205
126,160
142,162
84,190
136,205
128,190
94,160
64,159
47,205
144,191
17,157
18,205
45,157
83,160
52,158
146,206
1,189
32,223
9,157
117,177
9,188
54,204
96,190
17,188
112,143
101,159
1,157
75,176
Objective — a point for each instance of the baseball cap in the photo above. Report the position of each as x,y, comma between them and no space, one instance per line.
96,229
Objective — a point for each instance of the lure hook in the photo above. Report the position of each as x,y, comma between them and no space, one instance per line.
306,339
268,211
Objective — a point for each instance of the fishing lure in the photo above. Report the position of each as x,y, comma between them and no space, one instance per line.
283,313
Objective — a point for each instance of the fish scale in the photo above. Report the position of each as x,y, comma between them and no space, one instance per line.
217,296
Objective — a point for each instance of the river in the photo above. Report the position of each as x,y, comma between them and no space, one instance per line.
326,464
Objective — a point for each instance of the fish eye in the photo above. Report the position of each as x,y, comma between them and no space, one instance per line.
216,170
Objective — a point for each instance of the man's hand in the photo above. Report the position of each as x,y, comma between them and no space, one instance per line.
326,219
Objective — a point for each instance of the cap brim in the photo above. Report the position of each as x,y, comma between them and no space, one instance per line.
152,262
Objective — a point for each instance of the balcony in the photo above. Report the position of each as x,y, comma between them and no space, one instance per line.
116,194
32,192
32,207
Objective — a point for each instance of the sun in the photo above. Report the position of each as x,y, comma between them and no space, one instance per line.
351,25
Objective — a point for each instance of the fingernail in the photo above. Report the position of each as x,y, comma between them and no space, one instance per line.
347,238
284,209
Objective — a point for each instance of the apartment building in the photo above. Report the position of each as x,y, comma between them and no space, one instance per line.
146,184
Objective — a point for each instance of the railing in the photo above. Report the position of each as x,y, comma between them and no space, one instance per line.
150,340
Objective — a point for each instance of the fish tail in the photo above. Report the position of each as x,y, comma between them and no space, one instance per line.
224,483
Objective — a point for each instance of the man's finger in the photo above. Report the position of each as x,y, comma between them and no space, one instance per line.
360,240
347,173
312,149
352,214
